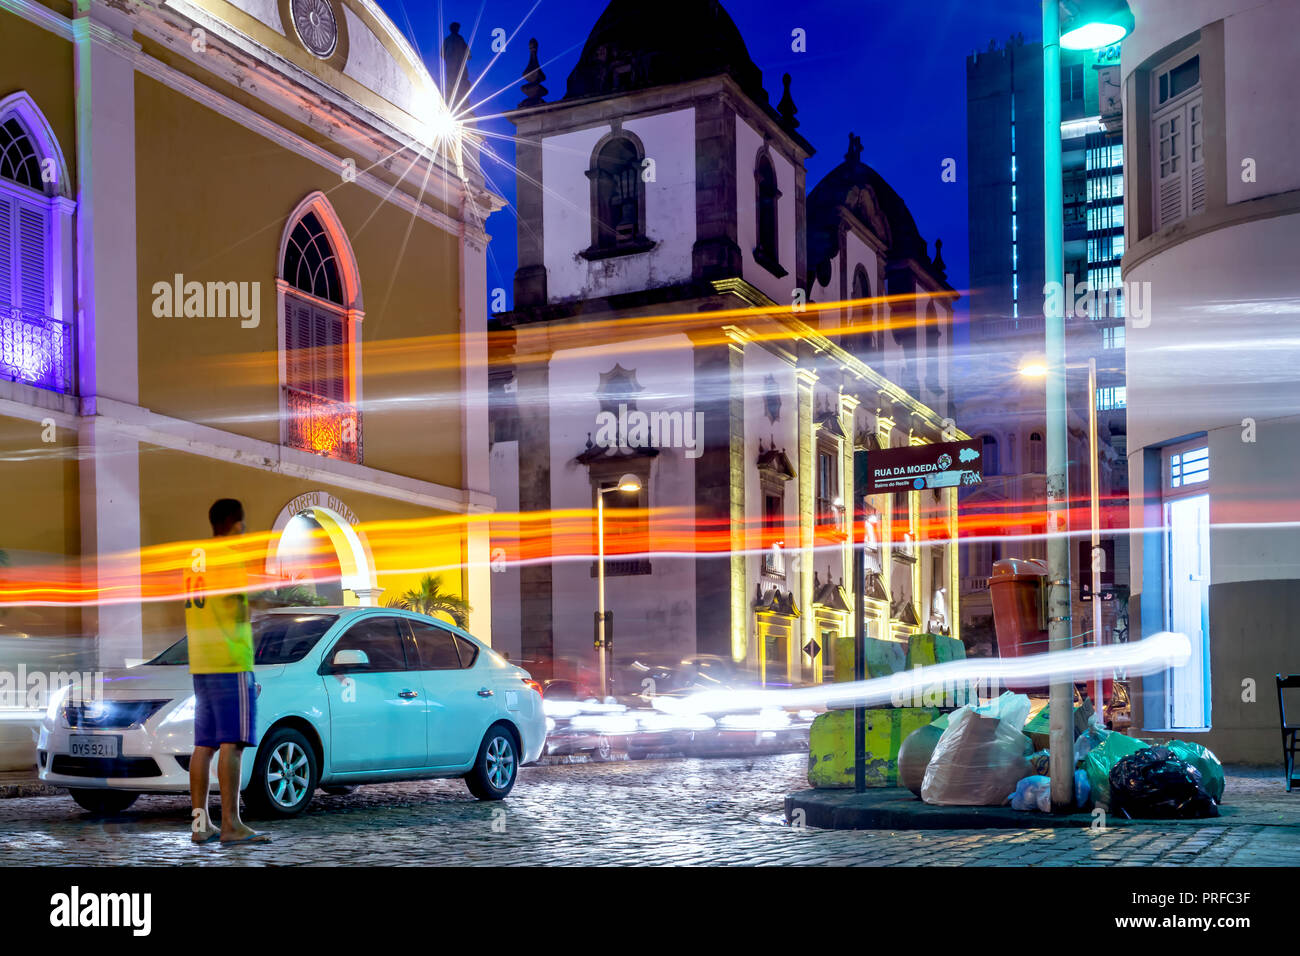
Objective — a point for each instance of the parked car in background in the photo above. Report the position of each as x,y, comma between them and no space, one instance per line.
346,696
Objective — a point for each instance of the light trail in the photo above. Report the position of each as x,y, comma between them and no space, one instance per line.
1147,656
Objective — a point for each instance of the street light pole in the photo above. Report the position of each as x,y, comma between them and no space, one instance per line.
629,483
1095,514
1061,696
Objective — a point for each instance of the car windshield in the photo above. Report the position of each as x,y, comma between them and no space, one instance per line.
277,639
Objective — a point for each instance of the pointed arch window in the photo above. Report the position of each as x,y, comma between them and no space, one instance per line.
35,237
617,199
767,196
866,340
320,319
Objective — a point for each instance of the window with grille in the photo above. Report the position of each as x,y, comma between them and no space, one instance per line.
34,347
320,393
1178,141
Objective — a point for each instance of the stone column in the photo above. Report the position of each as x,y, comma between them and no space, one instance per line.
476,478
805,380
721,610
108,314
536,589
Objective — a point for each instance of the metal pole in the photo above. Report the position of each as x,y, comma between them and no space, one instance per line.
600,589
1061,702
1098,556
859,512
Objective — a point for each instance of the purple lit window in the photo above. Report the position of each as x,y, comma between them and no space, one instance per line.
34,347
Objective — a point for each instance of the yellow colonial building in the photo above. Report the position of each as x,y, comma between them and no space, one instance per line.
241,254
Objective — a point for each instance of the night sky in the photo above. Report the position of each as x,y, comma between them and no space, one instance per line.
893,72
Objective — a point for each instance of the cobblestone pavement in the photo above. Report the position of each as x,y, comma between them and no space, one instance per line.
651,812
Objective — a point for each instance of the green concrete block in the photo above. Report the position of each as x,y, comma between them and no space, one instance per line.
923,650
830,745
885,657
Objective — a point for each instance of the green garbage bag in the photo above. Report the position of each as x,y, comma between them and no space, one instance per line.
1204,761
1104,756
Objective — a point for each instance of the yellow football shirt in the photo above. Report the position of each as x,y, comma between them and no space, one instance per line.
216,611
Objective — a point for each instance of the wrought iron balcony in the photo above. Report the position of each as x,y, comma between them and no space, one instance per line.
323,426
35,350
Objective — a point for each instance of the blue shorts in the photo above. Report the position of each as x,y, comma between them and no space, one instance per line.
225,709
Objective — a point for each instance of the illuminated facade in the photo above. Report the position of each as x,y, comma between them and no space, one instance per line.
1210,224
673,268
233,262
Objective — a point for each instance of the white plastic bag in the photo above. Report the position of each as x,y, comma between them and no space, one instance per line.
978,760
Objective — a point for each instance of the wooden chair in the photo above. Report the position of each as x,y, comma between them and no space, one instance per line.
1290,731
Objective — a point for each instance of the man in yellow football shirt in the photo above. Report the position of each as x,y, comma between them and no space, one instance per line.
221,664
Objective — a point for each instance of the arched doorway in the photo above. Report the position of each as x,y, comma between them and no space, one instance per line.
315,543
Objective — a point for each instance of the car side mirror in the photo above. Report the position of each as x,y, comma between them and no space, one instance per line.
351,658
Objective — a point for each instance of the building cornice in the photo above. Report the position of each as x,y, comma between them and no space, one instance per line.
192,438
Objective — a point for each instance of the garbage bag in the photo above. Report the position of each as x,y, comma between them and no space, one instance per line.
1082,789
1041,762
914,756
1033,793
1087,741
1102,758
1011,707
1154,783
977,761
1205,762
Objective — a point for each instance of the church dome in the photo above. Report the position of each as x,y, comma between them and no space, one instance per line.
636,45
856,186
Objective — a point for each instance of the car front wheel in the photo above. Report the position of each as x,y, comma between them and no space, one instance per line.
104,802
284,775
497,766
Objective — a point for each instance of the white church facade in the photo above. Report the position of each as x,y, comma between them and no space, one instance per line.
686,312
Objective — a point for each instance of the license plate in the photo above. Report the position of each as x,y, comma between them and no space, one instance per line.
84,745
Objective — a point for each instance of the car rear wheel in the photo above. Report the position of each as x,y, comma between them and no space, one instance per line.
284,775
497,766
104,802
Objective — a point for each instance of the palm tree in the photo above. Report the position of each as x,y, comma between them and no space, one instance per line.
429,598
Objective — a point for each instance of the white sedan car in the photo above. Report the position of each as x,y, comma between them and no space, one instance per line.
346,695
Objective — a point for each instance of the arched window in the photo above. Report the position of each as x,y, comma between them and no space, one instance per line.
617,199
990,455
319,289
35,219
867,340
767,253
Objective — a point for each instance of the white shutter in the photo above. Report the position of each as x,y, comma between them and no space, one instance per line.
1168,143
1195,157
33,243
7,253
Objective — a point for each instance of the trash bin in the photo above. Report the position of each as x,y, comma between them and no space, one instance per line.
1016,589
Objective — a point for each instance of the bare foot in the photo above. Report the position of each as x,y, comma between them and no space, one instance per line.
243,834
204,836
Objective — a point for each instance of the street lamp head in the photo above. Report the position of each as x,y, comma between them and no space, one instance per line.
1095,24
1034,369
629,483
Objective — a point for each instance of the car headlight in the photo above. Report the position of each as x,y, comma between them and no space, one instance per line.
57,698
182,713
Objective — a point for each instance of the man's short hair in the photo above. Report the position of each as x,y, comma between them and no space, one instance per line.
224,514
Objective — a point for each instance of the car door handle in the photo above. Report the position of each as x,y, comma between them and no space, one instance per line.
485,692
407,694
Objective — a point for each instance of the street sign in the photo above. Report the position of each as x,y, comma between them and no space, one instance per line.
941,465
1107,569
812,649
